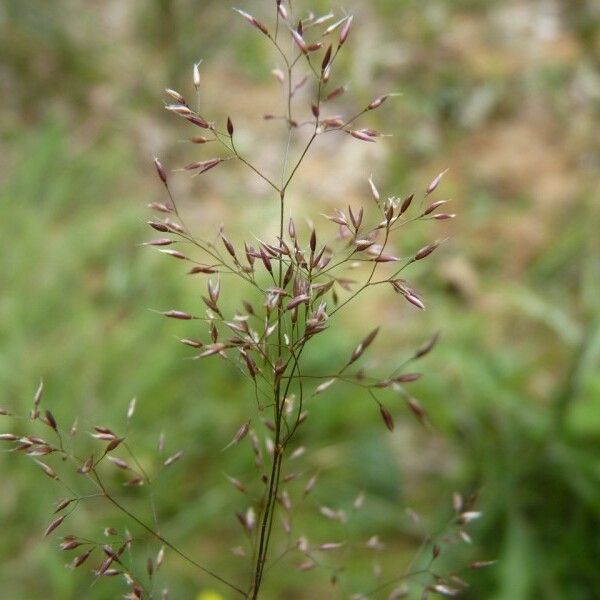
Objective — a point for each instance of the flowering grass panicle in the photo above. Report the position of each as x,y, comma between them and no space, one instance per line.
297,280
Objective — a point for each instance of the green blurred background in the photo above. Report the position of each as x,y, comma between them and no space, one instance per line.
506,94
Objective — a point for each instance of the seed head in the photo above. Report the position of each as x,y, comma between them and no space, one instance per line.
346,30
177,314
160,170
174,458
387,417
434,184
326,58
196,75
363,135
254,22
377,102
50,420
175,95
406,203
38,394
300,41
54,524
426,250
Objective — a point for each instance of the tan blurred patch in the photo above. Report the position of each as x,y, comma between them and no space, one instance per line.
524,158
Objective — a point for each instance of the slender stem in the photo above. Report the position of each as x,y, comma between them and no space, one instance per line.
251,166
267,516
289,179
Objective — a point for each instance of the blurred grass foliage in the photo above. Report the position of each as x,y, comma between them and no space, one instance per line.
507,94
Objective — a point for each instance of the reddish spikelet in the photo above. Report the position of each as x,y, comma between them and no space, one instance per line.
408,377
346,30
358,351
179,109
416,409
175,95
266,261
415,301
426,251
47,470
177,314
333,27
428,346
433,206
300,41
86,467
313,239
374,189
173,458
250,364
200,269
159,242
162,174
79,560
384,258
326,58
406,204
361,134
54,524
174,227
294,302
240,434
387,417
335,94
482,564
114,444
280,76
199,139
377,102
214,290
175,254
157,206
158,226
237,484
363,244
191,342
50,420
198,121
254,22
435,183
37,398
228,245
203,165
119,462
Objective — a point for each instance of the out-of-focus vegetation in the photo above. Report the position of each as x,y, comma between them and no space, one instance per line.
506,94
